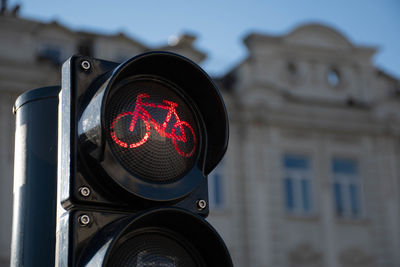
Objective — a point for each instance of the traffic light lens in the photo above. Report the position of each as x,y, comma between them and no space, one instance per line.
152,131
154,249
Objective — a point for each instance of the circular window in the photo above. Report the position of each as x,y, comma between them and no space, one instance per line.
333,77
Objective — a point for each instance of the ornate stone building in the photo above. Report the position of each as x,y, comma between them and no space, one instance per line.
311,176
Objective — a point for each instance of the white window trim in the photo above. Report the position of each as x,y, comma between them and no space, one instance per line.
345,180
297,175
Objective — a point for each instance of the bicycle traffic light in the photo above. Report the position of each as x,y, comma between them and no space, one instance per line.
136,143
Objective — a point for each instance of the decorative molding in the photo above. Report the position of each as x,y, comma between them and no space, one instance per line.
305,255
355,257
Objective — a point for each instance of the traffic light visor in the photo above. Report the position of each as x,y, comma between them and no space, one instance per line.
158,237
200,106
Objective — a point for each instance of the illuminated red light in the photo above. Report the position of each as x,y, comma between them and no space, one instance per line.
144,115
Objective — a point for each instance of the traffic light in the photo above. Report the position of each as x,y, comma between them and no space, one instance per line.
135,145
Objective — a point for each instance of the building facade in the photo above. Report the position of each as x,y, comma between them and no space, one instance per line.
311,176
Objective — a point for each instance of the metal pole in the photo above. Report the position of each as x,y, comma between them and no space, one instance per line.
35,178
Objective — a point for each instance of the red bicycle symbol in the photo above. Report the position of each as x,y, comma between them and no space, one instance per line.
177,133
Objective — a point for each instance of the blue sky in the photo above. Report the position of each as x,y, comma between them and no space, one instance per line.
221,24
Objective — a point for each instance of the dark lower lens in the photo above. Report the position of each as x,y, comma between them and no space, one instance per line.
154,248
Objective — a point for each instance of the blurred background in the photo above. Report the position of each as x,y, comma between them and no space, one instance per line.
311,176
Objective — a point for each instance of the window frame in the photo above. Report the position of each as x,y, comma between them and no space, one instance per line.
304,203
346,181
219,174
46,50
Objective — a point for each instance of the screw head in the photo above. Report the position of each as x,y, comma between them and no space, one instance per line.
85,65
201,204
84,220
84,191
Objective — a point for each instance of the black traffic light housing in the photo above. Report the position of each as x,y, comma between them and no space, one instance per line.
136,143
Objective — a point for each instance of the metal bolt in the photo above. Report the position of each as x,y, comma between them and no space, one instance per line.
84,191
85,65
201,204
84,219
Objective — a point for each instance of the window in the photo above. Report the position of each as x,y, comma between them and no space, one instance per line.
333,77
122,54
292,72
292,68
51,53
297,184
85,48
216,188
346,187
